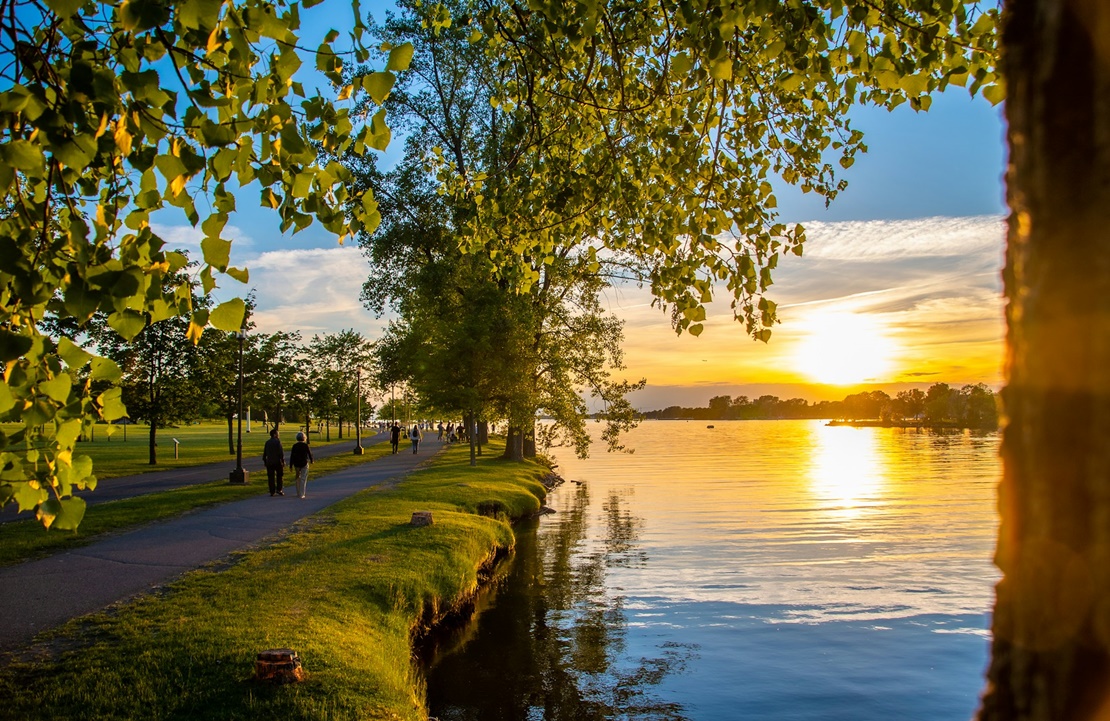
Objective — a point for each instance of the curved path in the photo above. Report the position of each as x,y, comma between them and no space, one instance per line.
38,595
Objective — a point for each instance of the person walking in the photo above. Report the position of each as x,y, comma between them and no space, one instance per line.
395,436
300,457
415,437
274,457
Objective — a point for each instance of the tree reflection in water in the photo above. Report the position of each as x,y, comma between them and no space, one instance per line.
548,638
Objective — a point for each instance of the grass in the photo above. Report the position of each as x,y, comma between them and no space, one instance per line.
25,540
346,590
201,443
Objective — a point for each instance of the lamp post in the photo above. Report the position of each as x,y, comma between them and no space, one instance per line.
239,475
358,412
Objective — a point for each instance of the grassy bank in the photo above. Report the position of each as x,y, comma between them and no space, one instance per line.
25,540
346,589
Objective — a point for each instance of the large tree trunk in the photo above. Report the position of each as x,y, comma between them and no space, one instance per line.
153,442
514,444
529,441
1050,657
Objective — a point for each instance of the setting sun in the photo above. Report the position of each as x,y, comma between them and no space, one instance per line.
845,348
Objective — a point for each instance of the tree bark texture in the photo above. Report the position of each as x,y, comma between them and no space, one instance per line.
1051,628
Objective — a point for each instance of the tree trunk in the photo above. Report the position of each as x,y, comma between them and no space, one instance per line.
340,425
528,444
153,444
472,437
514,446
1051,627
327,426
483,433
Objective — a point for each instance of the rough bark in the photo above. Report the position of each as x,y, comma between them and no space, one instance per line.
514,444
1051,627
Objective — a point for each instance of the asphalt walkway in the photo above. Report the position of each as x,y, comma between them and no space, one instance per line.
39,595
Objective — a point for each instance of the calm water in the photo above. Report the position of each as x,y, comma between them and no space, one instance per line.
759,570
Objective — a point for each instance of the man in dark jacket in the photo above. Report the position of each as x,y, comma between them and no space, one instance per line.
394,436
273,455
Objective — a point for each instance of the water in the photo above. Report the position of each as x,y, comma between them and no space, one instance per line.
758,570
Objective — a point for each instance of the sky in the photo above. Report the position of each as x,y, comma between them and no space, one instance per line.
899,285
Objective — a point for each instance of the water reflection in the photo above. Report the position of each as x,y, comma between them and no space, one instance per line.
550,640
847,473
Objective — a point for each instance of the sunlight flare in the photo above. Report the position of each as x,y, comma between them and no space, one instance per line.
843,348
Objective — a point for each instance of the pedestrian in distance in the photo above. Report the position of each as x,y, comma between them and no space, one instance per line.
395,436
300,457
415,435
440,438
273,456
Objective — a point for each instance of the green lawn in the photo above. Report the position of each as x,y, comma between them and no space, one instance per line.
25,540
125,451
346,589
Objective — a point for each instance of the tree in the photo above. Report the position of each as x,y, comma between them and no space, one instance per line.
110,112
477,343
336,359
1051,639
654,130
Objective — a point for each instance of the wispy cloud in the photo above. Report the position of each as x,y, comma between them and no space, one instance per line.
314,291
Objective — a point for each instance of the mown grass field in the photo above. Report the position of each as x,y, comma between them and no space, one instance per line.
26,540
346,589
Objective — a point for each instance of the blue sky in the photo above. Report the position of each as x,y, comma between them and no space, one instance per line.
921,219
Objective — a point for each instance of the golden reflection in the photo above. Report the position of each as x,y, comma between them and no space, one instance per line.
847,471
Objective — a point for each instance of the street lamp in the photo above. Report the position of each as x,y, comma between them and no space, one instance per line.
240,475
358,412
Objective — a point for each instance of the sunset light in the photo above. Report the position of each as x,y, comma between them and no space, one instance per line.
845,348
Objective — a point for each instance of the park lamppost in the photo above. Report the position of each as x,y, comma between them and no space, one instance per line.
240,475
358,412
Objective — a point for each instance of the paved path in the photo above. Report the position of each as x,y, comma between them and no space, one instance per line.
113,489
39,595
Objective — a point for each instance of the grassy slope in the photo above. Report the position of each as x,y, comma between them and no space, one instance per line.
25,540
346,590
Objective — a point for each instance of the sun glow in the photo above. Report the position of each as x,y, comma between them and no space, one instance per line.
845,348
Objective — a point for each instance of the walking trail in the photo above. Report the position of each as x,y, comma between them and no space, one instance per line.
39,595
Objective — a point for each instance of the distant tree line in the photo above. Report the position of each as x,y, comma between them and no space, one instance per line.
972,406
164,378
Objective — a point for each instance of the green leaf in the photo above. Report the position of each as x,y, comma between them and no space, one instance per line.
65,9
13,345
696,329
378,85
217,252
22,155
70,514
105,369
27,496
228,315
127,323
399,58
240,274
7,400
57,388
111,404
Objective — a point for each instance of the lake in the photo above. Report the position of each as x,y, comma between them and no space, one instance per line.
755,570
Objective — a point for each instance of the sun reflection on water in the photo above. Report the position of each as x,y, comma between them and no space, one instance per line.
847,473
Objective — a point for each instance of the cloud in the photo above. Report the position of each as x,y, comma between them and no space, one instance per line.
314,291
186,237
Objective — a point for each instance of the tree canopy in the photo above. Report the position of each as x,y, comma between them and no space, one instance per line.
112,111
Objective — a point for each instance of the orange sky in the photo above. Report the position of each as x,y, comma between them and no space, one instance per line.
881,303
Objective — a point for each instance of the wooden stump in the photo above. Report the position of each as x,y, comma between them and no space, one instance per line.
279,665
421,518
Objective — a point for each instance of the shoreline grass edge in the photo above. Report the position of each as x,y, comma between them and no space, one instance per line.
349,588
